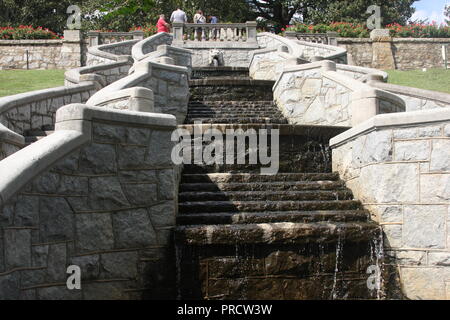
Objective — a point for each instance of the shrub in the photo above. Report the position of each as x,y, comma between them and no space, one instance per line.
355,30
149,30
26,33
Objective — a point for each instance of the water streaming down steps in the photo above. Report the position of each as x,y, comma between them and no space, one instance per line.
242,235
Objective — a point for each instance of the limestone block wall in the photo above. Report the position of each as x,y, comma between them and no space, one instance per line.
315,94
99,194
398,166
408,53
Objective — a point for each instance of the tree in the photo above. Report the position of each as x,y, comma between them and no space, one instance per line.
447,14
49,14
281,12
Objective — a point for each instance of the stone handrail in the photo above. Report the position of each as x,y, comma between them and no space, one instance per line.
317,51
115,52
329,38
97,37
222,32
149,45
84,193
416,99
362,74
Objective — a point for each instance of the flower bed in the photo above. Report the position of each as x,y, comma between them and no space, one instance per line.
26,33
355,30
148,30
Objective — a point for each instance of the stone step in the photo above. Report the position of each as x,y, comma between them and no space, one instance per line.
302,178
272,217
259,206
223,72
276,233
285,166
246,120
310,195
207,113
263,186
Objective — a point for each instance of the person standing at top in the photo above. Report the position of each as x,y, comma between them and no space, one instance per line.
179,16
162,25
214,20
199,18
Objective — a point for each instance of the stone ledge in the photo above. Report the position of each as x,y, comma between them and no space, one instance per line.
30,42
11,137
394,120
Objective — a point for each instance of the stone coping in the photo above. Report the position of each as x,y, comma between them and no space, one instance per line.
294,48
74,75
14,101
325,132
29,42
144,95
82,112
11,137
229,82
21,167
393,120
328,65
441,97
370,72
218,45
420,40
138,49
98,51
73,129
237,69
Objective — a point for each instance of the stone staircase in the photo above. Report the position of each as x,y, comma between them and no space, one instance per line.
242,235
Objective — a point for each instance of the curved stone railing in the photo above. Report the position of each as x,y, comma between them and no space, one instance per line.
361,73
113,52
151,44
102,187
317,51
398,166
34,110
416,99
316,94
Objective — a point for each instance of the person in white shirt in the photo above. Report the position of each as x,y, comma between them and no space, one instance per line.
178,16
199,18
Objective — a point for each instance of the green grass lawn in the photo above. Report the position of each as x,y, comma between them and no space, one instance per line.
432,79
18,81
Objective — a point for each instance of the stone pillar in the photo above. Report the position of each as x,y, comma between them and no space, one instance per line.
138,35
71,51
93,38
178,30
383,57
332,38
251,31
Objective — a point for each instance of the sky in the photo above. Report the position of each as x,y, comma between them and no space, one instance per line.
431,9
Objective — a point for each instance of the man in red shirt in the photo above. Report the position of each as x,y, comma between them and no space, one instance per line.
162,25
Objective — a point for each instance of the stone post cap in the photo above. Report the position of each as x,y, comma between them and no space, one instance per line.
332,34
72,35
177,24
380,35
252,23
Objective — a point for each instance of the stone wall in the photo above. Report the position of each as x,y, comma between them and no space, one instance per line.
398,166
315,94
109,53
408,53
102,198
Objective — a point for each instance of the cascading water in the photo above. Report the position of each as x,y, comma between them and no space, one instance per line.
242,235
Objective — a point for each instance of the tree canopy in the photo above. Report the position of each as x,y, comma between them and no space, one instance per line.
122,15
447,14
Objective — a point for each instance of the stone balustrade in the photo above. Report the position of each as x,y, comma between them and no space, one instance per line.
329,38
222,32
